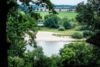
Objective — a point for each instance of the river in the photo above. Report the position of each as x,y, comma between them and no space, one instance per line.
50,44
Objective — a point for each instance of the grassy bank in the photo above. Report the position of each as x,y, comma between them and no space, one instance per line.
68,32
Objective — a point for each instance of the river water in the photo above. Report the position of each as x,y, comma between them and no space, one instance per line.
49,47
50,44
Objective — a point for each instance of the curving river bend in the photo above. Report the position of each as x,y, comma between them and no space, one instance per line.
51,44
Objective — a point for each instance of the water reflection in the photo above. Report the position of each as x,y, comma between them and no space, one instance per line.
49,47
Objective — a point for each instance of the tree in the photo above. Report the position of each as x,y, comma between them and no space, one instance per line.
51,21
19,23
5,6
76,54
89,15
85,15
66,23
20,17
15,61
55,61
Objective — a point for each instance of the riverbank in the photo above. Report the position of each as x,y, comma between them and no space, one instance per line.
50,43
48,36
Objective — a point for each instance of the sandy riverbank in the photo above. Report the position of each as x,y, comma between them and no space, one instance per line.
48,36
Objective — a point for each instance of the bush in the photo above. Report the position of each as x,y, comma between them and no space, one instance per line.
96,54
61,28
81,28
77,35
66,23
15,61
87,33
79,53
51,21
47,16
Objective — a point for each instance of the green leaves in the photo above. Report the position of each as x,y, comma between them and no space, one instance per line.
18,23
88,14
51,21
79,53
67,54
16,61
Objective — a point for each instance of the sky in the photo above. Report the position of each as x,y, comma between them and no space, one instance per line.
67,2
64,2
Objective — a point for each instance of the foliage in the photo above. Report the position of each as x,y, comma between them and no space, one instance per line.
36,15
96,56
87,33
76,54
77,35
47,16
83,27
67,24
55,61
89,14
18,23
15,61
61,28
34,58
51,21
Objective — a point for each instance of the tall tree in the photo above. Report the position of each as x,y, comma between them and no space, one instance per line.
89,15
5,6
19,23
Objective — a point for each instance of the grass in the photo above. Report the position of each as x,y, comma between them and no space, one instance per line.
69,15
68,32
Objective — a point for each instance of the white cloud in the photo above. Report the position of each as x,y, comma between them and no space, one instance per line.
67,2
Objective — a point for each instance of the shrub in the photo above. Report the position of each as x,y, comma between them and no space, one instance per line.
47,16
15,61
79,53
96,55
61,28
77,35
87,33
51,21
83,28
66,23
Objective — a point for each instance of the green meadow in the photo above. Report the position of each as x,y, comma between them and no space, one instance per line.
69,15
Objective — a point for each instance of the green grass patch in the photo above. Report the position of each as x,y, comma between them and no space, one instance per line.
68,32
69,15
